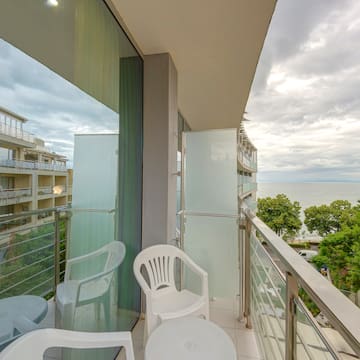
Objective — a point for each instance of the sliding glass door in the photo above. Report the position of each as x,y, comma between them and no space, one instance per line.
71,117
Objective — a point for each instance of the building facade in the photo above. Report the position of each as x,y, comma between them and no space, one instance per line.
31,176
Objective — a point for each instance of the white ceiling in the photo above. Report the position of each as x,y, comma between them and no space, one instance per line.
215,45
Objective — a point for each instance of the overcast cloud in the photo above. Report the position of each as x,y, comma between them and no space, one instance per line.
305,105
55,108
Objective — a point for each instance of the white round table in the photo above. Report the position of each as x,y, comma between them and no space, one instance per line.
16,309
189,338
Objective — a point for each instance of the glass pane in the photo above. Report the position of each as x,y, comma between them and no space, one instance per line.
309,344
268,291
212,242
70,139
210,230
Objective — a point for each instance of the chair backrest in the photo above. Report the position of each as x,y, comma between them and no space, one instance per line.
159,262
114,251
33,345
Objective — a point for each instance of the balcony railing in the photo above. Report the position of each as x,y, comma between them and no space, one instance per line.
16,133
7,194
272,305
32,256
271,275
32,165
246,160
247,187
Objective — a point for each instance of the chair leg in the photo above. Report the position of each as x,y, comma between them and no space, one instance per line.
145,332
106,306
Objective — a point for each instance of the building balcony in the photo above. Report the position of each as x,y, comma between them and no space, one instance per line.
14,196
246,188
246,161
266,319
12,135
32,165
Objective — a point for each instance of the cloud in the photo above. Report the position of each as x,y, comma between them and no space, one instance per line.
55,108
304,104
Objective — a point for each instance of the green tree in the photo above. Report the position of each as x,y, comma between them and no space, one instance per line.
340,252
280,214
328,219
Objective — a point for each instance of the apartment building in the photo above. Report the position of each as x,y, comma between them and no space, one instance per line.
31,176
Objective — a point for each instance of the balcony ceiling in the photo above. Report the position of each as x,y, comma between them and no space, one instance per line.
215,45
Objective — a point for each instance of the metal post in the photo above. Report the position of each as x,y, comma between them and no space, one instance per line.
57,251
290,331
247,286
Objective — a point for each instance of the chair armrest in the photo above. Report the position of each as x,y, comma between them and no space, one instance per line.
197,270
91,340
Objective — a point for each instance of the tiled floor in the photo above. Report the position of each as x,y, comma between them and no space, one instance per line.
224,313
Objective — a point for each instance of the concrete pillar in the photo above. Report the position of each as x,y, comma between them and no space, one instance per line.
160,147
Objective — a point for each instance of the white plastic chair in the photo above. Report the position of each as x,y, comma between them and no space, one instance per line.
32,345
163,300
93,289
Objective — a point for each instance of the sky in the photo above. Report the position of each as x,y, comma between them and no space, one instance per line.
304,105
56,110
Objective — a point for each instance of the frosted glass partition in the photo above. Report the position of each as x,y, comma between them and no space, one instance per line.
94,188
211,242
210,207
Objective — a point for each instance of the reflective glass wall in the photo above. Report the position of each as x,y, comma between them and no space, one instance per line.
70,139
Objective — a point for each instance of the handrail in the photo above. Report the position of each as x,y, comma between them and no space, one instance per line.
208,214
341,312
29,213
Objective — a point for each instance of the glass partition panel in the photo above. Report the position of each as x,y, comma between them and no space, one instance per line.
71,137
212,242
210,208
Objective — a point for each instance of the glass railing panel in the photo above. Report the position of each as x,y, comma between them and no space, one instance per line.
333,334
310,344
212,242
267,301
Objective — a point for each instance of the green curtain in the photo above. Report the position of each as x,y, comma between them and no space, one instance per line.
130,182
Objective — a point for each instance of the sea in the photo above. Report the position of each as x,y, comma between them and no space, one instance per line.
311,193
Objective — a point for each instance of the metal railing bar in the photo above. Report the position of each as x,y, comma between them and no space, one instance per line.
271,326
271,281
271,305
273,263
25,241
269,322
340,311
26,267
28,278
255,310
208,214
108,211
316,327
30,212
25,254
37,286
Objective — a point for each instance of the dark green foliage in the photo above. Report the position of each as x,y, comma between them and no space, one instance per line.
28,265
281,215
328,219
340,252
